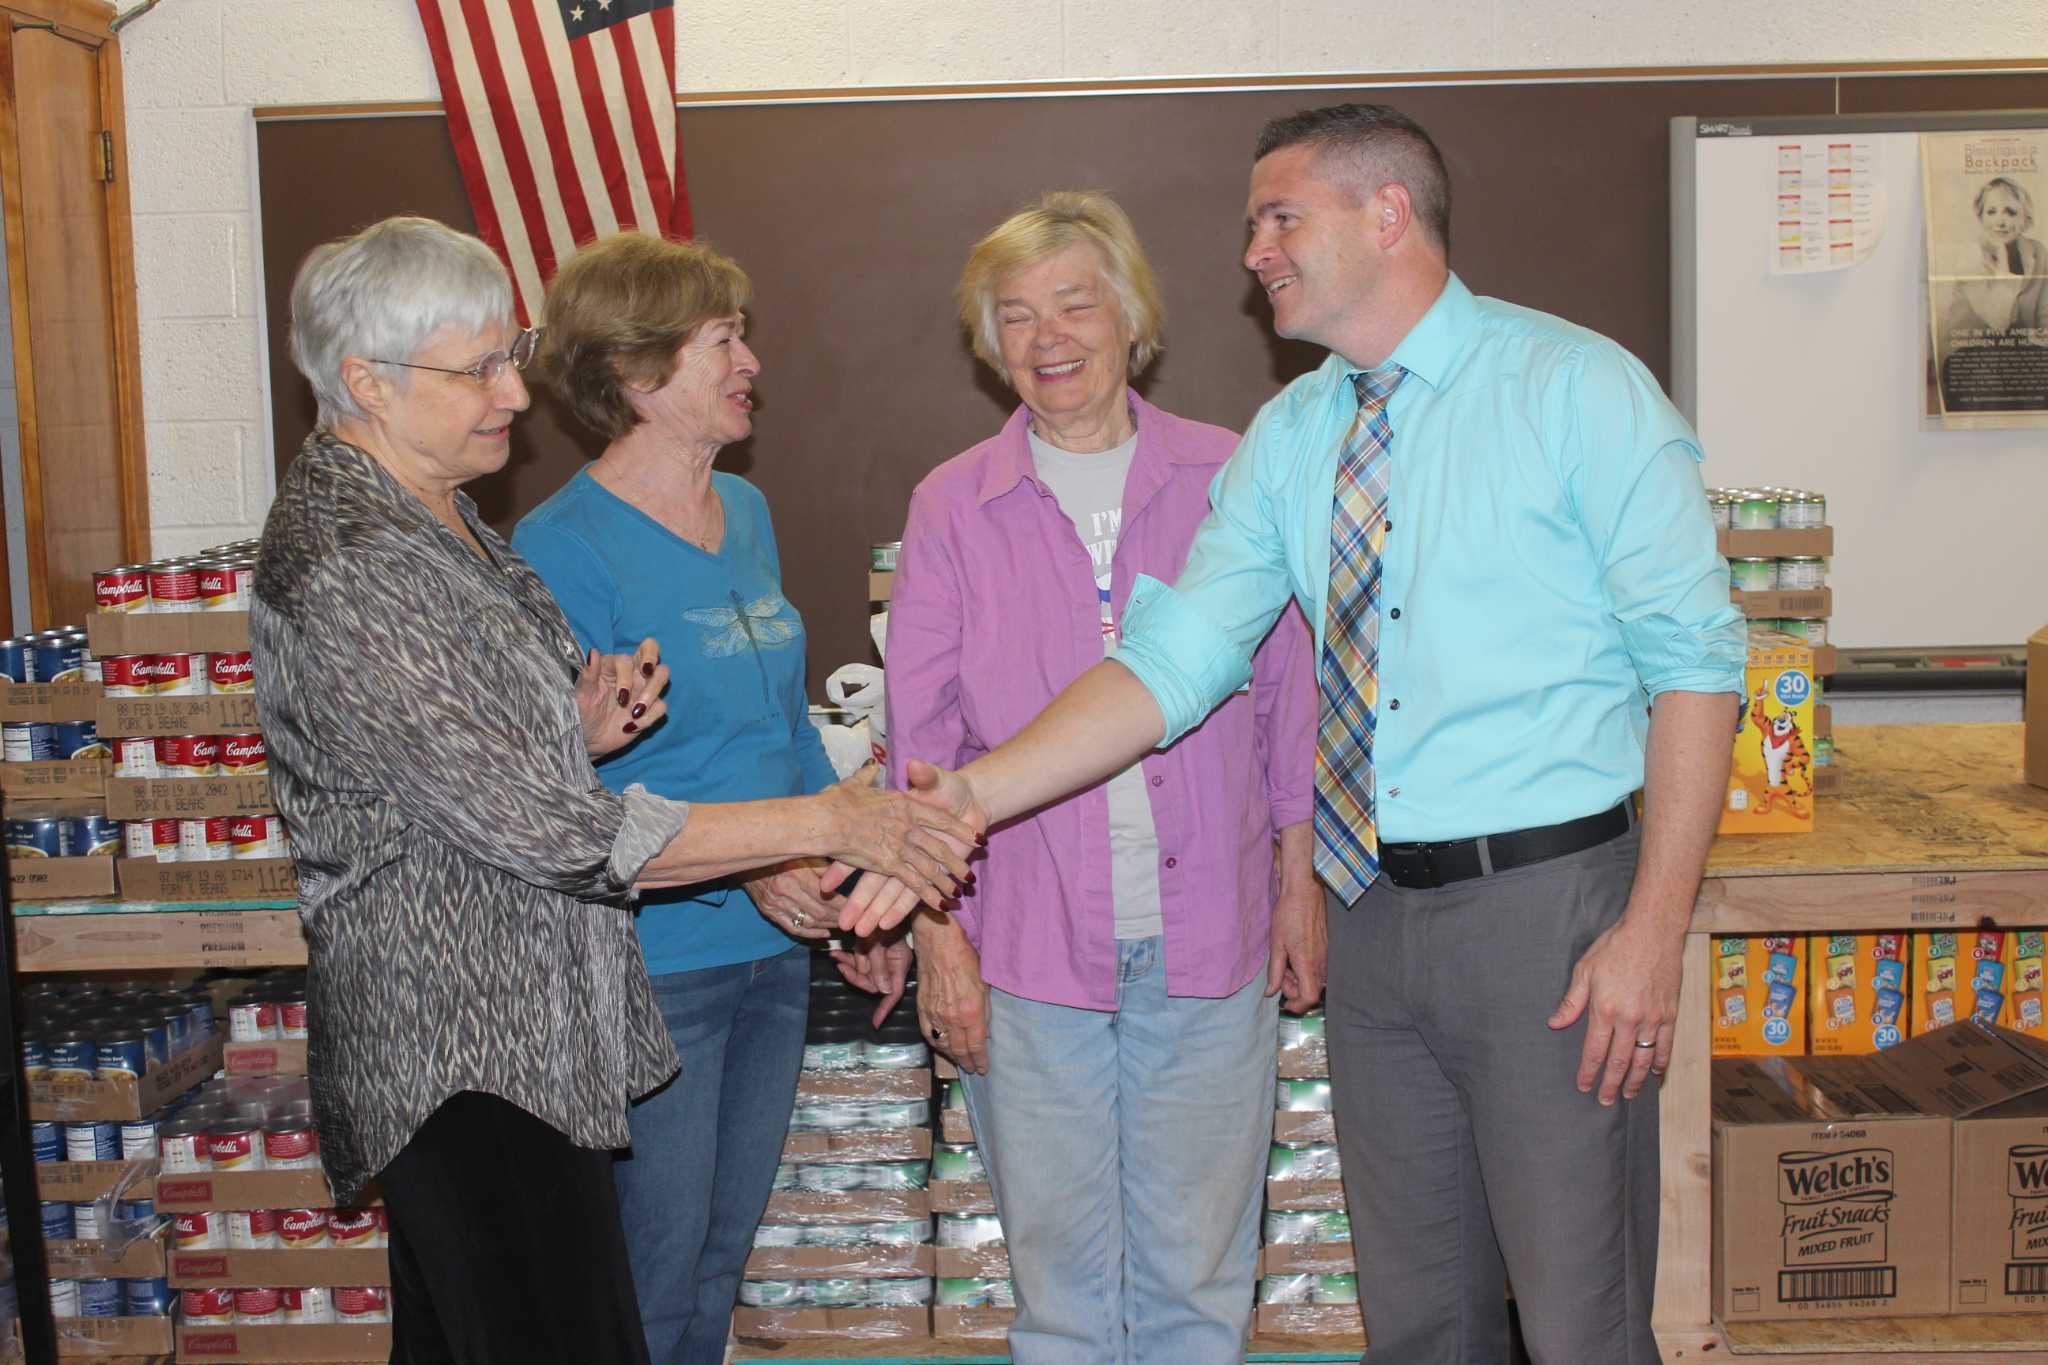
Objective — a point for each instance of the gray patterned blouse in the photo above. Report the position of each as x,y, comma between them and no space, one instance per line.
462,871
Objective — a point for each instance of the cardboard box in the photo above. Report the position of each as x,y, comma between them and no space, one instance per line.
798,1324
286,1345
285,1057
953,1323
240,879
812,1263
1820,1212
1344,1320
125,1097
2037,708
49,702
305,1189
1307,1258
71,1259
2000,1257
990,1262
822,1206
53,779
129,941
962,1196
2026,983
1770,785
74,1182
1308,1062
911,1084
1857,992
954,1126
873,1144
60,879
1781,543
1297,1126
1304,1194
226,714
166,632
161,798
1958,975
260,1269
1755,989
1818,602
82,1337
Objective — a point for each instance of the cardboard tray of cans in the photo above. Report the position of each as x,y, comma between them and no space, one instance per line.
857,1324
850,1262
911,1084
962,1196
1305,1258
813,1206
74,1182
59,879
162,798
990,1262
312,1266
955,1126
869,1144
1304,1194
55,778
1308,1062
1783,542
972,1324
239,879
125,1097
70,1259
287,1057
152,939
1310,1320
1800,602
230,714
304,1188
166,632
1296,1126
49,702
101,1337
288,1344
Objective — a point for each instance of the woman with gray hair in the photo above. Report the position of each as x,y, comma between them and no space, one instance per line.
1107,989
480,1014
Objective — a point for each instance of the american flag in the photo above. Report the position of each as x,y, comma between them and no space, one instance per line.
563,118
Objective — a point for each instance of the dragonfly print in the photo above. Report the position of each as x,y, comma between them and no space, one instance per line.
730,630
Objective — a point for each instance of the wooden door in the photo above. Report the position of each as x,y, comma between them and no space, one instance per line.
71,280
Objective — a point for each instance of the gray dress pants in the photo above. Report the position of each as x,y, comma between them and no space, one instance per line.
1470,1157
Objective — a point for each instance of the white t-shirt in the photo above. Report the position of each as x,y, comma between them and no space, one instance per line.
1090,489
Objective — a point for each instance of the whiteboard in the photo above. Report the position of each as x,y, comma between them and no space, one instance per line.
1817,381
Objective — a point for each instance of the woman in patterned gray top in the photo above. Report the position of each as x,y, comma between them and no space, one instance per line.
481,1015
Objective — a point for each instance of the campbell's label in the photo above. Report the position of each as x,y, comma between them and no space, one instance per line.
302,1227
121,590
231,671
1836,1205
242,755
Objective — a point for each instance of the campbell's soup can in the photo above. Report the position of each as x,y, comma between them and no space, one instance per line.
181,1145
188,756
138,839
362,1303
244,580
174,586
234,1145
134,756
198,1230
125,675
258,836
242,755
311,1305
216,586
252,1229
230,671
209,1305
352,1227
291,1017
169,837
251,1020
290,1144
122,589
204,839
299,1229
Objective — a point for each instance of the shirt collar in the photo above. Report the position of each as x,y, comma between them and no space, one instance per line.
1010,462
1437,342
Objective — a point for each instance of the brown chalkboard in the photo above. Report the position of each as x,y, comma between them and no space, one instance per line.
853,219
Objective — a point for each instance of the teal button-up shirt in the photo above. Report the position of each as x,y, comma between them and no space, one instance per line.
1549,567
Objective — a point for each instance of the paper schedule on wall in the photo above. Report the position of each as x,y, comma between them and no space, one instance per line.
1828,204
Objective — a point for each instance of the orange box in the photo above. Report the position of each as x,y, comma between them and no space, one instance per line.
1959,975
1755,996
1770,783
1856,992
2026,983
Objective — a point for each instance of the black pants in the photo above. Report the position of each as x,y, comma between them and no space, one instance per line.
505,1245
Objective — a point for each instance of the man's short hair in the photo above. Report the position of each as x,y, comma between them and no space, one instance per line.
1368,146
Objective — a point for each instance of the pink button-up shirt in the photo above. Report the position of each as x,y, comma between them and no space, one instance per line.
993,612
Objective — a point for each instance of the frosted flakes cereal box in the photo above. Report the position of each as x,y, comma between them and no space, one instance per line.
1770,785
1855,992
1756,996
1959,976
2026,995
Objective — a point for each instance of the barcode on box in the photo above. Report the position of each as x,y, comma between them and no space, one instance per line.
2026,1279
1813,1286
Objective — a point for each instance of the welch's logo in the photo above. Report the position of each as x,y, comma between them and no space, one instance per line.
1835,1205
2026,1181
1810,1177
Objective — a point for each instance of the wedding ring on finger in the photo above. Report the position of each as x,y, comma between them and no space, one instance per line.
1641,1043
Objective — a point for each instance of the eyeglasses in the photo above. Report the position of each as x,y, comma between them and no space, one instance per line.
487,370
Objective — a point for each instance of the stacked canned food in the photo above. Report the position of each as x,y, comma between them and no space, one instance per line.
973,1254
102,1297
86,833
1767,509
97,1030
1308,1284
220,1306
219,579
60,655
272,1009
249,1124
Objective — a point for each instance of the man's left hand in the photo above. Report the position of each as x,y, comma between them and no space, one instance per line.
1301,946
1626,986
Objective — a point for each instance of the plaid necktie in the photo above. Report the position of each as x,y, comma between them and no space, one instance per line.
1347,837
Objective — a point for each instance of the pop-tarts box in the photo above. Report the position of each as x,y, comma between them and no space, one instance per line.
2026,982
1959,975
1856,992
1757,987
1770,783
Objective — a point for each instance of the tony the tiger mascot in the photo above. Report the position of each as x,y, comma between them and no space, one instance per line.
1788,768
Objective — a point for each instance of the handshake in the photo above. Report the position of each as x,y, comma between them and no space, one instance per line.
914,846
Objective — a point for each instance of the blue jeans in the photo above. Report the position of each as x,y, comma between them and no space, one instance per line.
1128,1153
705,1146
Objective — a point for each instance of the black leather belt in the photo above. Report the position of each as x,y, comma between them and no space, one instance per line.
1427,866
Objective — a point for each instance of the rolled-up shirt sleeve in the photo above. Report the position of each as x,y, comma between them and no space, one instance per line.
1284,692
1633,466
462,730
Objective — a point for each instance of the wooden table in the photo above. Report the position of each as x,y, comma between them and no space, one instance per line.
1932,828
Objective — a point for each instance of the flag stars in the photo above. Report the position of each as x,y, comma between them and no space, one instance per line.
577,14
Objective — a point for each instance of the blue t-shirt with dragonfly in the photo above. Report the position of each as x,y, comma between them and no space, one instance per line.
737,727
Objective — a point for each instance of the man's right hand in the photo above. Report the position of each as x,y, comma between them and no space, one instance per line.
952,999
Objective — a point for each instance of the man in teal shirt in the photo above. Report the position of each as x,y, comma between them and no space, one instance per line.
1549,633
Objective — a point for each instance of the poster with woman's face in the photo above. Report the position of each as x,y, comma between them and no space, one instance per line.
1987,277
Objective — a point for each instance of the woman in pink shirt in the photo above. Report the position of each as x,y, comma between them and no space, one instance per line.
1107,988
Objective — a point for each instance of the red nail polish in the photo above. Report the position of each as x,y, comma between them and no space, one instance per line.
623,694
647,670
981,839
631,727
639,710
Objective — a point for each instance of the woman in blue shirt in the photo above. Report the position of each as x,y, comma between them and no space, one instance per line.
643,341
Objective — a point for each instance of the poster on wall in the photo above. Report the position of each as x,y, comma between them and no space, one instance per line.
1828,208
1987,278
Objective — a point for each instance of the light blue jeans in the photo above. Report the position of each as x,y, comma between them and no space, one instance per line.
1128,1153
